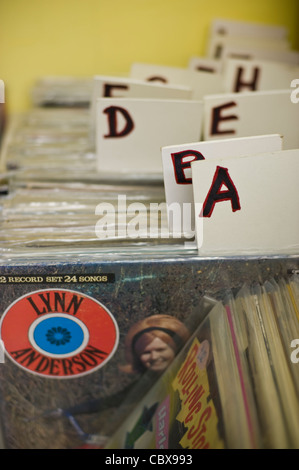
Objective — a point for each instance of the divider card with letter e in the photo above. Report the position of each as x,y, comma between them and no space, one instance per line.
131,131
202,83
123,87
249,204
252,113
177,160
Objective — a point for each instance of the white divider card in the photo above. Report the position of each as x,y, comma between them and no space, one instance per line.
205,64
177,161
124,87
218,42
254,75
247,205
229,27
131,131
2,100
201,82
252,113
247,52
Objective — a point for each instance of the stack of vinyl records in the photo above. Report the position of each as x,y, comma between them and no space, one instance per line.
53,196
234,384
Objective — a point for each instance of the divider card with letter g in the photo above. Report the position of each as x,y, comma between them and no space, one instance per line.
177,160
249,204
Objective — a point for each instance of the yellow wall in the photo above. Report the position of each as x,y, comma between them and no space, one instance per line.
87,37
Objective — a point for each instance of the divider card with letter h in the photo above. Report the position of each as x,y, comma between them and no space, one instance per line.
177,160
256,75
131,131
249,204
252,113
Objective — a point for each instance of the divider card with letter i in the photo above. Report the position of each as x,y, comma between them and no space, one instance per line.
228,27
177,160
219,43
249,204
252,113
131,131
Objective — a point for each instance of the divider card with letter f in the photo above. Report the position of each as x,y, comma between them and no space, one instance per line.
249,204
177,160
131,132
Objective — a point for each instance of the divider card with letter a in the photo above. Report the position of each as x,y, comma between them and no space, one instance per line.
177,160
249,204
131,132
252,113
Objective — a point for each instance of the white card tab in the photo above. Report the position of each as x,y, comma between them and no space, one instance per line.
252,113
249,205
218,42
254,75
2,99
202,83
247,52
131,131
205,64
177,160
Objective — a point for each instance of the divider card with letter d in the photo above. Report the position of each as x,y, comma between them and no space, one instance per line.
177,160
249,204
131,132
252,113
123,87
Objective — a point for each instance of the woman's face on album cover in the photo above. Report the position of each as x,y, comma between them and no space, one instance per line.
157,355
